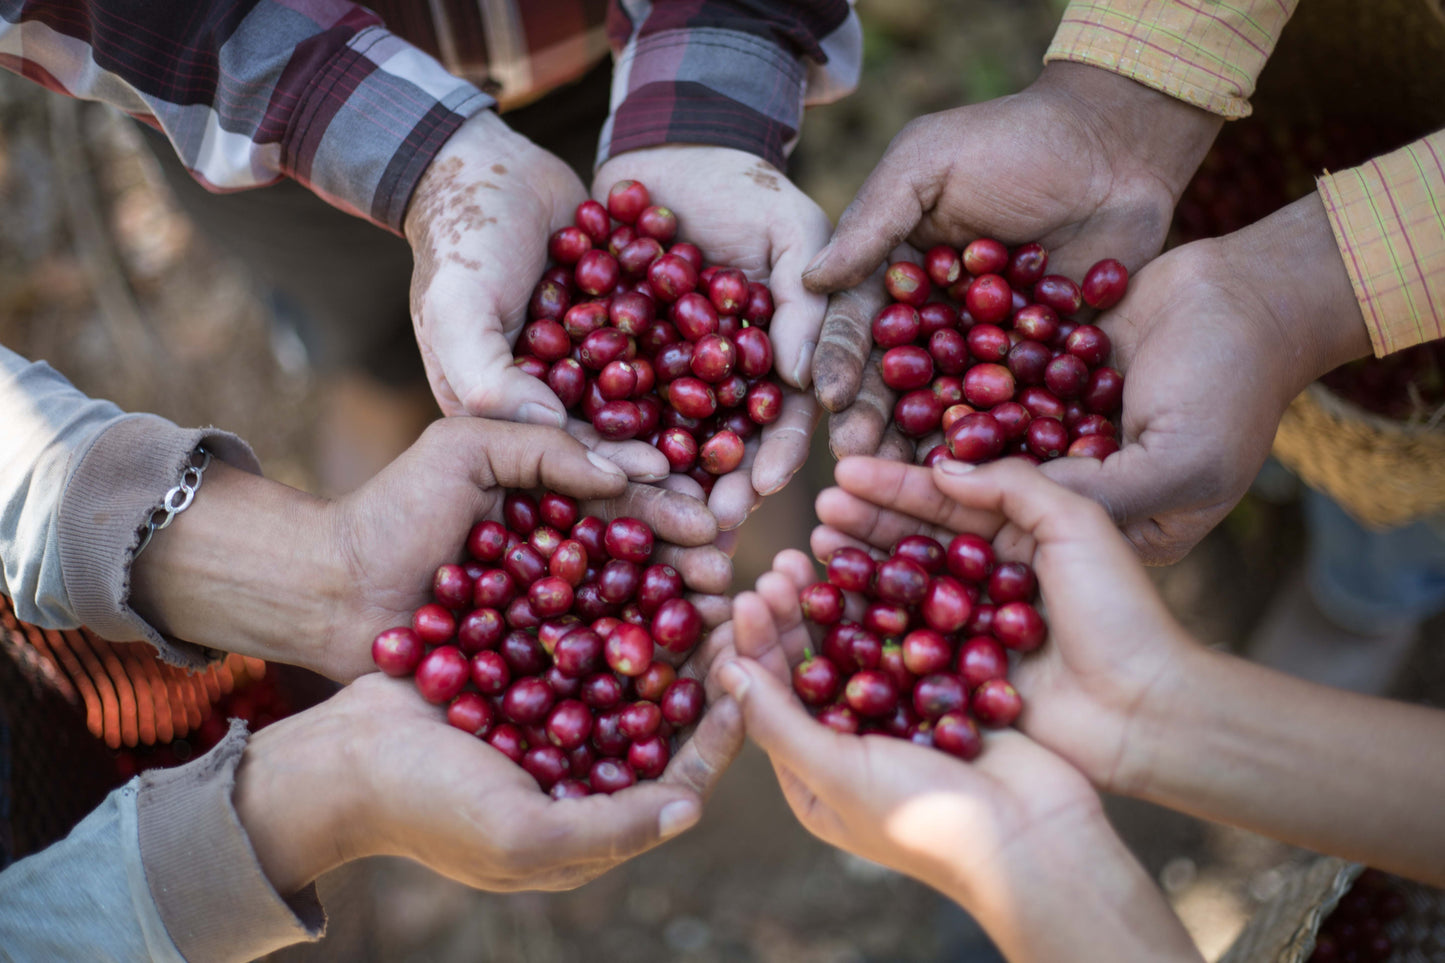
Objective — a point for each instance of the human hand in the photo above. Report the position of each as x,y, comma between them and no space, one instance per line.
1012,837
1215,338
1087,162
262,569
1093,688
744,213
376,770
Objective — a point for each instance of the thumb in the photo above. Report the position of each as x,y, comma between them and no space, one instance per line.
884,213
478,366
611,829
780,726
798,313
508,455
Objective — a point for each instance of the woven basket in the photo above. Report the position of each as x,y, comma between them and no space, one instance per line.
1284,929
1384,473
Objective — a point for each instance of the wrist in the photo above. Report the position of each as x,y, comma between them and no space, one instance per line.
483,140
245,568
1292,264
1145,133
1072,882
297,799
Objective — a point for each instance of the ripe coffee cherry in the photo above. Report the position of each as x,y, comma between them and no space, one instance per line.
494,589
658,223
937,694
471,712
822,603
989,299
597,273
568,244
1105,284
550,596
1026,265
943,265
908,283
816,680
1088,343
398,651
569,725
609,776
651,685
671,277
682,702
648,757
949,350
969,557
906,367
579,653
895,325
840,718
901,581
975,438
677,625
721,453
1018,626
1066,376
628,650
1037,322
871,693
918,413
487,541
640,720
442,673
1104,392
592,218
754,352
979,659
728,291
851,569
1028,360
946,607
764,401
996,703
956,734
692,398
626,200
480,629
985,256
507,739
926,651
1013,417
490,673
988,342
1047,438
433,624
986,385
1093,446
713,358
1012,582
628,539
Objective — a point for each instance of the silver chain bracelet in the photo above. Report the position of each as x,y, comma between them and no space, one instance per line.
177,500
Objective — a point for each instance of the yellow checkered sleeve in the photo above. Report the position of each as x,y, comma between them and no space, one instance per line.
1204,52
1386,215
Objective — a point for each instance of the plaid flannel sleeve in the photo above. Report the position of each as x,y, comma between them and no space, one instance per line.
1204,52
729,74
254,90
1388,221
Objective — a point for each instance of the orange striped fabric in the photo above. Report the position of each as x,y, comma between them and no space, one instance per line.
1205,52
1387,220
128,696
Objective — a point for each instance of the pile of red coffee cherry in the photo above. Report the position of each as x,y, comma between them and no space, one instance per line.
1011,373
543,644
635,334
916,645
1355,931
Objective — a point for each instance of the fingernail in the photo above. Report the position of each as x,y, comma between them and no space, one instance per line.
951,467
817,261
803,373
734,678
535,414
604,465
677,817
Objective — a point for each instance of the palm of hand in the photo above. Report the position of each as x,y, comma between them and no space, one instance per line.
1201,402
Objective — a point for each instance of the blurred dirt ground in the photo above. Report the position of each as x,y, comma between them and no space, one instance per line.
101,276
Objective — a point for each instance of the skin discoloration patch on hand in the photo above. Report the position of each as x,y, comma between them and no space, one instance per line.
764,175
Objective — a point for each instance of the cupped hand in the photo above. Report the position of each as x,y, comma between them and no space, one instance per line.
376,770
1214,339
392,534
1112,648
742,212
958,827
1086,162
